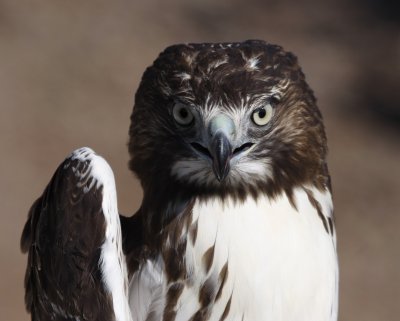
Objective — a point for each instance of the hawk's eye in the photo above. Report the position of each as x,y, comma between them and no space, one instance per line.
262,115
182,114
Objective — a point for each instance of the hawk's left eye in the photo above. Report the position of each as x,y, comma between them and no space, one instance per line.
262,115
182,114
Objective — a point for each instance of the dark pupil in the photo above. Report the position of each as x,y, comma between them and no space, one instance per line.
262,113
183,113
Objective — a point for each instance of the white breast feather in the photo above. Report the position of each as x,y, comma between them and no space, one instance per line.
282,262
147,291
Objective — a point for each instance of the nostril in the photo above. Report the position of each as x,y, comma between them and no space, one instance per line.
201,149
242,148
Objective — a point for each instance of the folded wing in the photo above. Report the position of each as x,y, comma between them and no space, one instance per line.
76,268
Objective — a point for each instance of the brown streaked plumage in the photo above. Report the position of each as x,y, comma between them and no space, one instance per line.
173,294
317,206
208,258
193,232
226,310
223,274
64,277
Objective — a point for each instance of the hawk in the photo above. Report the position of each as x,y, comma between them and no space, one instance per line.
236,221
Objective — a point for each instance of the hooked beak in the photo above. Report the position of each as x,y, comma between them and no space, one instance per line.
221,145
221,152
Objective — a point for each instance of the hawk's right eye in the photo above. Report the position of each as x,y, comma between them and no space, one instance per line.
182,114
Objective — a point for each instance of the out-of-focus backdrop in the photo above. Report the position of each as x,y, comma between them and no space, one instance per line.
69,71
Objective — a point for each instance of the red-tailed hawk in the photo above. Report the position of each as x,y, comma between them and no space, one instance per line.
236,221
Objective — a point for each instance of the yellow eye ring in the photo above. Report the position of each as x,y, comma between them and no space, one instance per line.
261,116
182,114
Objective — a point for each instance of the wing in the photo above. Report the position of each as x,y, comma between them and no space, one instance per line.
76,268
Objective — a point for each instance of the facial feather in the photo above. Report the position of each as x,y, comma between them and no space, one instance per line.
234,80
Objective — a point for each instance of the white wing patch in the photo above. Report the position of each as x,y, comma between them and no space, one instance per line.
113,265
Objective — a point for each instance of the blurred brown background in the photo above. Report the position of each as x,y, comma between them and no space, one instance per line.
69,70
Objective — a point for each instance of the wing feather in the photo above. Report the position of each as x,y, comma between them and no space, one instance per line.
76,269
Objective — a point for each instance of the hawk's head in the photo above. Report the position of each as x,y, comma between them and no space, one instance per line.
226,119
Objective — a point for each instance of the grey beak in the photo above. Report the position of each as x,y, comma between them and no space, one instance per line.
221,132
221,151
